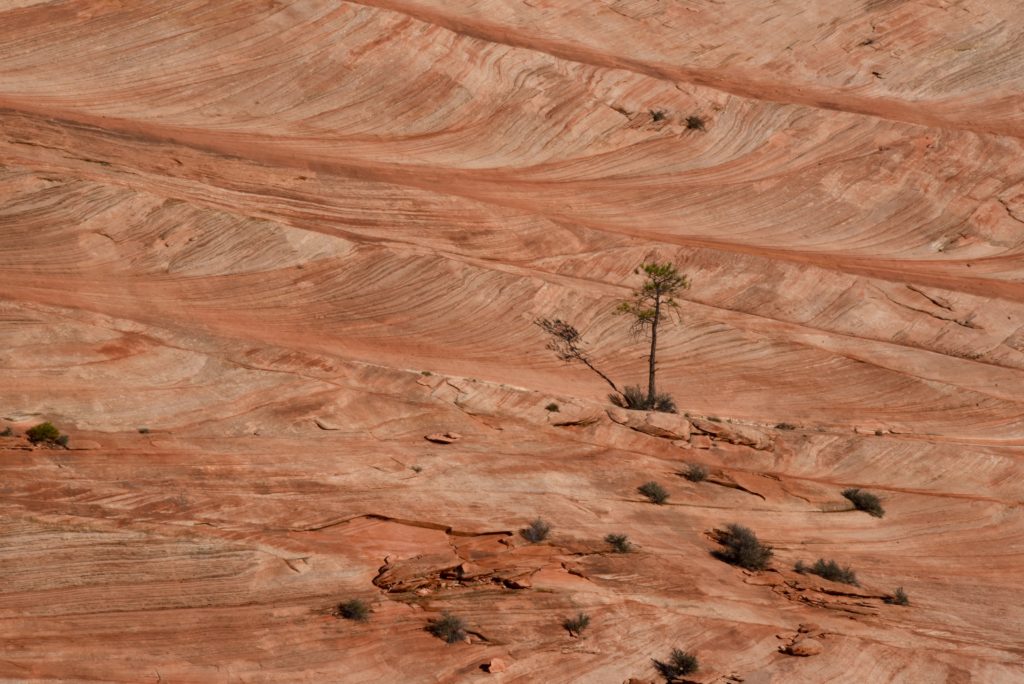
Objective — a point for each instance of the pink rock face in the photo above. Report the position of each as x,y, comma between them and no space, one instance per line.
253,253
497,665
805,647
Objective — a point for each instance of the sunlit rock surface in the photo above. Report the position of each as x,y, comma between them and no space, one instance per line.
254,252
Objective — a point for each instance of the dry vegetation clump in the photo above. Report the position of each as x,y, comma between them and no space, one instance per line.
576,625
45,433
679,664
741,547
654,492
829,570
536,531
448,627
355,610
865,501
898,598
695,473
620,543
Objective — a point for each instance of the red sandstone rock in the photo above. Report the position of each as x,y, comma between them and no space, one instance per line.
225,220
805,647
497,665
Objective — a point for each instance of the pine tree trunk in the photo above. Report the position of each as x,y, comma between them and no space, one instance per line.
654,348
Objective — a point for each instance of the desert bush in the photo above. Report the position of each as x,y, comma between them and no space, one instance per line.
898,598
576,625
143,430
829,570
62,440
536,531
680,664
695,473
448,627
620,543
741,547
695,123
354,609
426,373
785,426
653,491
865,501
634,398
657,115
44,432
551,408
7,432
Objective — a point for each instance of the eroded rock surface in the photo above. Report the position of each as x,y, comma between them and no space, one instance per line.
294,239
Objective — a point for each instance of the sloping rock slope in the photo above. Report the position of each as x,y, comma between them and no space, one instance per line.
254,252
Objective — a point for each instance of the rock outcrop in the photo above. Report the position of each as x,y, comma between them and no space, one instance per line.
298,240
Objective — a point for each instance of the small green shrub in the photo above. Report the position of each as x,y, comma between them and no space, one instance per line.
695,123
898,598
551,408
426,373
620,543
536,531
829,570
143,430
416,468
44,432
657,115
355,610
680,664
448,627
654,492
865,501
576,625
62,440
7,432
633,397
696,473
785,426
741,547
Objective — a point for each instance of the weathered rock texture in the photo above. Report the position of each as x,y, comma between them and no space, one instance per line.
249,227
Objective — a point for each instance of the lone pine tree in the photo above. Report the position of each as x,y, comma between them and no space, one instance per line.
649,306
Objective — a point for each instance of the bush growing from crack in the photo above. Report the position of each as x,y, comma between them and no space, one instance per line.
355,610
536,531
576,625
620,543
695,123
44,432
696,473
448,627
898,598
679,664
741,547
829,570
634,398
865,501
654,492
551,408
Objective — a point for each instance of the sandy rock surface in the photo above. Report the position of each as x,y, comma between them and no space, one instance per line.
255,252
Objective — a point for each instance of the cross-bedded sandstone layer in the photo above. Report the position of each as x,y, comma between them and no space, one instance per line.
249,227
